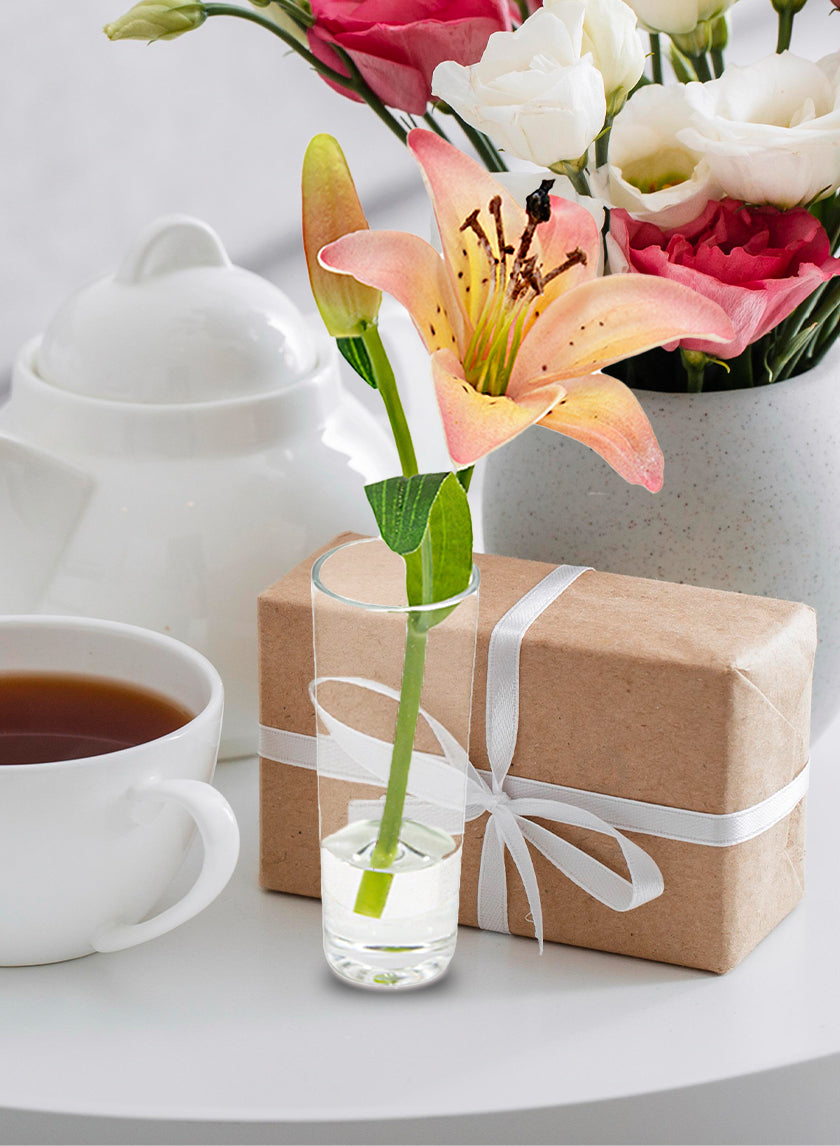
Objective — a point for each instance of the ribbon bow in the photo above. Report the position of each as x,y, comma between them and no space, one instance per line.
436,783
511,811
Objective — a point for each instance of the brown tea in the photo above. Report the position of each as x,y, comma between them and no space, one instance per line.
61,716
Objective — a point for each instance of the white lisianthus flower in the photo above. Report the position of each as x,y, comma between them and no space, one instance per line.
651,173
770,131
677,17
532,92
610,33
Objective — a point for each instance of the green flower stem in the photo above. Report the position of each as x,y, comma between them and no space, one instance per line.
785,29
787,331
602,144
822,323
353,82
656,57
826,338
485,149
387,385
575,173
694,362
718,62
682,66
214,9
435,126
295,12
369,96
375,885
701,67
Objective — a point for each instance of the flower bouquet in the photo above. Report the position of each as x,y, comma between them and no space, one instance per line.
719,177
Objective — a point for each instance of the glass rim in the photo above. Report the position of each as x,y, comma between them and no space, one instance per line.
317,583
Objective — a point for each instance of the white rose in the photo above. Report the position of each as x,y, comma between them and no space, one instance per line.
770,131
677,17
532,92
611,34
650,172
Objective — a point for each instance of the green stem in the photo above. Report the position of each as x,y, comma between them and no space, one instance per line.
295,12
694,362
353,82
718,62
826,338
375,885
823,323
602,145
656,57
785,29
287,38
576,174
681,63
386,383
522,5
701,68
486,151
369,96
435,126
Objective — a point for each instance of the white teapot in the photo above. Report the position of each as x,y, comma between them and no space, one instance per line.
176,441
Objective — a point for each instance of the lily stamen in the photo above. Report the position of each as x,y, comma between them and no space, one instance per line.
495,209
573,259
471,223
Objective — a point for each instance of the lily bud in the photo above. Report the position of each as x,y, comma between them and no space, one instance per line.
157,20
331,209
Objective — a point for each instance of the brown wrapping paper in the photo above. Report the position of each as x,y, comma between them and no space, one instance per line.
672,694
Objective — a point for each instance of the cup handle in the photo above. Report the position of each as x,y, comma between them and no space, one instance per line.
220,837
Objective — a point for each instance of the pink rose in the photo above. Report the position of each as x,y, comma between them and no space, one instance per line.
757,263
397,44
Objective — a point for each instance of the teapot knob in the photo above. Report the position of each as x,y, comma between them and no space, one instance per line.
173,243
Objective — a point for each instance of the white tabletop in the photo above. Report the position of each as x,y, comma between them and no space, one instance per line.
234,1019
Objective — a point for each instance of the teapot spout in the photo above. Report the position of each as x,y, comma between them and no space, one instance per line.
41,502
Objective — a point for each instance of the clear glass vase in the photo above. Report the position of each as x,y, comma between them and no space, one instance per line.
393,693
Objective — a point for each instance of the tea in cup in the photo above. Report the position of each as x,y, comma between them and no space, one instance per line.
108,741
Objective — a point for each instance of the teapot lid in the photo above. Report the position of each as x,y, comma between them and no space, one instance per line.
178,322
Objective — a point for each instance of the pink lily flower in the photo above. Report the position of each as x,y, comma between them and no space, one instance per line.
516,319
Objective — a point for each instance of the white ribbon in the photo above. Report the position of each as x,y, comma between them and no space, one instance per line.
437,783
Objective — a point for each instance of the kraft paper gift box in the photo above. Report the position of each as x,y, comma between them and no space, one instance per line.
677,715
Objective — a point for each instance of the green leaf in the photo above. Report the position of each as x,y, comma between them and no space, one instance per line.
401,506
442,566
354,351
426,518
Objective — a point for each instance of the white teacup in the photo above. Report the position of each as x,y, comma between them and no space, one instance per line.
88,846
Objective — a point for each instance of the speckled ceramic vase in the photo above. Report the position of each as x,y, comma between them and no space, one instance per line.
751,502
